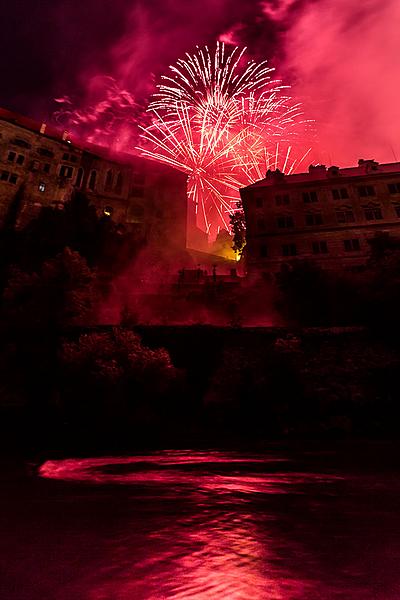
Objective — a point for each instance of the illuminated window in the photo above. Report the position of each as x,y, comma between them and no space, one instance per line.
11,156
289,250
340,193
66,172
314,219
351,245
92,180
42,186
366,190
320,247
309,197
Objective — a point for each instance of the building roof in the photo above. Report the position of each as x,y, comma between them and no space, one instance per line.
319,173
103,152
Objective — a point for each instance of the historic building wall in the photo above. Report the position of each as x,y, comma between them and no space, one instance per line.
327,215
44,167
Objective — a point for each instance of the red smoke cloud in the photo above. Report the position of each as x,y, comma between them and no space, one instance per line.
344,58
341,57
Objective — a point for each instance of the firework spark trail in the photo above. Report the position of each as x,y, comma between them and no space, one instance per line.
224,122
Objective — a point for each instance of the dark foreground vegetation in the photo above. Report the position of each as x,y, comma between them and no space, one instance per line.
70,384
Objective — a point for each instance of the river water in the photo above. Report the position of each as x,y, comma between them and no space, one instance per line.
197,525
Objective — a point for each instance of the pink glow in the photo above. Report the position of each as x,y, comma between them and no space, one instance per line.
344,58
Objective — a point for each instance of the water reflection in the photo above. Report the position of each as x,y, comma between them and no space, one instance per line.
206,526
217,550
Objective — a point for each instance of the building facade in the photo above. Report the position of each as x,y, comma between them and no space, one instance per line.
44,167
328,215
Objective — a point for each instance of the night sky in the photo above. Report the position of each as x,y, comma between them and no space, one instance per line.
340,56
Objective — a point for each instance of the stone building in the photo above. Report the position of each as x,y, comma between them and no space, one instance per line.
328,215
44,166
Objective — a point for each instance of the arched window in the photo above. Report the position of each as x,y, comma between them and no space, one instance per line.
118,185
79,178
109,180
92,180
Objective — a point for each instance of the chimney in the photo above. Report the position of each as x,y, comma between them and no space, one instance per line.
317,169
275,176
333,171
369,164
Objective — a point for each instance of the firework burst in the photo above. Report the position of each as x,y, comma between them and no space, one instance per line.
224,122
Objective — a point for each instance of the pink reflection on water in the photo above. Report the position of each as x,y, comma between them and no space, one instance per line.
218,550
156,469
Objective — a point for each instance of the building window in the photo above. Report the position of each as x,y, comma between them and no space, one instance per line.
314,219
373,213
351,245
21,143
366,190
65,156
20,159
259,202
263,251
13,178
320,248
340,193
118,185
289,250
397,209
5,175
285,222
345,216
66,171
46,168
42,186
261,224
73,158
309,197
282,199
394,188
46,152
92,180
109,180
79,177
11,156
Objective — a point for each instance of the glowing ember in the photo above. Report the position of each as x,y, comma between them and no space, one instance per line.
224,122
